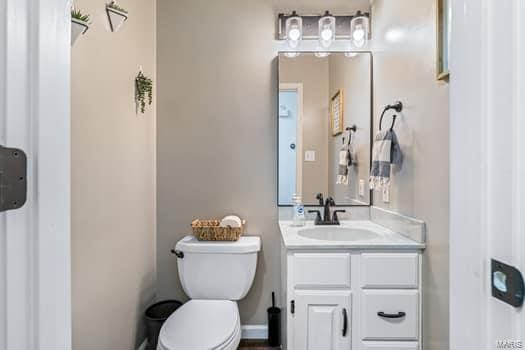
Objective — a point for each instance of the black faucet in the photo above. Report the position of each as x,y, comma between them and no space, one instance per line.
326,220
329,201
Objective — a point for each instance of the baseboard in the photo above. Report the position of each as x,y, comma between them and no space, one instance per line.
143,345
254,332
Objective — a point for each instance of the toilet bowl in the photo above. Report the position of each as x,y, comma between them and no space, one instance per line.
214,275
202,325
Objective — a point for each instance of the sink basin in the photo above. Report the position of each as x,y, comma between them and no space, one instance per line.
338,233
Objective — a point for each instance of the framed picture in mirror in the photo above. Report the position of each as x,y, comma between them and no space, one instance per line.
442,40
336,113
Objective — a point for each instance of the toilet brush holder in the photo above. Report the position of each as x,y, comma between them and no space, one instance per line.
274,324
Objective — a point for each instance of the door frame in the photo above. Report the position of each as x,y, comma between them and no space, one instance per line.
35,281
486,69
298,87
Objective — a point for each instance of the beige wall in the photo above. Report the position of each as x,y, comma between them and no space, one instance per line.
404,69
113,180
312,73
354,77
217,131
217,139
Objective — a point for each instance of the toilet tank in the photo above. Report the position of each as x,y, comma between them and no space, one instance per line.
217,270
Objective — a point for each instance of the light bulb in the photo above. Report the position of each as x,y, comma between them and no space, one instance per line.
326,30
294,34
359,33
326,34
294,30
350,54
360,29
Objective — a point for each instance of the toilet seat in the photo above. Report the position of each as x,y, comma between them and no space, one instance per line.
202,325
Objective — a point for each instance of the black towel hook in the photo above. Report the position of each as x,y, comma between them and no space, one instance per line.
350,129
398,107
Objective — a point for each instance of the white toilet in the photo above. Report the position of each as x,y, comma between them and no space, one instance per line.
214,275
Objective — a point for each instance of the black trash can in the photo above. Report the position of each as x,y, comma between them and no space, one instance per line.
156,315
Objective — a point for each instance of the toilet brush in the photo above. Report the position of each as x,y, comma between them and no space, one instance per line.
274,324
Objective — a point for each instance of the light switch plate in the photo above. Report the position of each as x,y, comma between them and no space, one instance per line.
386,194
362,187
309,156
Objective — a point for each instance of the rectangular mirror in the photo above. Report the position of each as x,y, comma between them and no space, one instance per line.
320,99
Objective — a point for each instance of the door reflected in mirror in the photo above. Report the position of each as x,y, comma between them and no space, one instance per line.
321,99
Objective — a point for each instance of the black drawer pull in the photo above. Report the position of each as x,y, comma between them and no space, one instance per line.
345,322
398,315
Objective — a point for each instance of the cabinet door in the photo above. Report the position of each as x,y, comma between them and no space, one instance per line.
322,320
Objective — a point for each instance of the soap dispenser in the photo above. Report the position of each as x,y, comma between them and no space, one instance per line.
298,211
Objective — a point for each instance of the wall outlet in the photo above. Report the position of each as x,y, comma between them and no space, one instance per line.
309,156
386,194
362,187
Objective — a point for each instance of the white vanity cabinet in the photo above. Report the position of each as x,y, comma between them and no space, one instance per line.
352,299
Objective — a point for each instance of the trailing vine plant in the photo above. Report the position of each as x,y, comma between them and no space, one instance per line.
143,89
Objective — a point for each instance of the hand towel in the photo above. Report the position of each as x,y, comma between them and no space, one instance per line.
385,153
345,161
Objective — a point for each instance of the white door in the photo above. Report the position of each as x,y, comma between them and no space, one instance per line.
322,320
290,142
487,148
35,310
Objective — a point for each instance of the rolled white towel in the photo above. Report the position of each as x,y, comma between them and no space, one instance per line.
231,221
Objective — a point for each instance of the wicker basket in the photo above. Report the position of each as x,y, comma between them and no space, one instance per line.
209,230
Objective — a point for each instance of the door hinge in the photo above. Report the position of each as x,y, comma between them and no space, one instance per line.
292,307
13,181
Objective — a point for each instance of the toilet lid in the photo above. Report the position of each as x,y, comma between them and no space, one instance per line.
200,325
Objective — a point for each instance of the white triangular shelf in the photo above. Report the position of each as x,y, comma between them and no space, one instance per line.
77,28
116,18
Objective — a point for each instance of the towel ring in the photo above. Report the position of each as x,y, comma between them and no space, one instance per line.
398,107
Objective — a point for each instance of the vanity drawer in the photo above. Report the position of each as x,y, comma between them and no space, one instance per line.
390,315
321,270
389,346
390,270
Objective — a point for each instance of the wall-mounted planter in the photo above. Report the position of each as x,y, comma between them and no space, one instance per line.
116,18
78,28
143,91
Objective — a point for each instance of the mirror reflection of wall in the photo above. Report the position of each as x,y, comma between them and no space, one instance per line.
309,148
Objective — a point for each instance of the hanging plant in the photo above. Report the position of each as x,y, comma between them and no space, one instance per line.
116,15
143,90
79,24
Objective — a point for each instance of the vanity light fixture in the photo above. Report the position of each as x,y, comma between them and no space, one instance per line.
321,54
326,30
294,30
360,29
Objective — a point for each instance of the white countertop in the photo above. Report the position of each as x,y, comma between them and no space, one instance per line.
385,239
